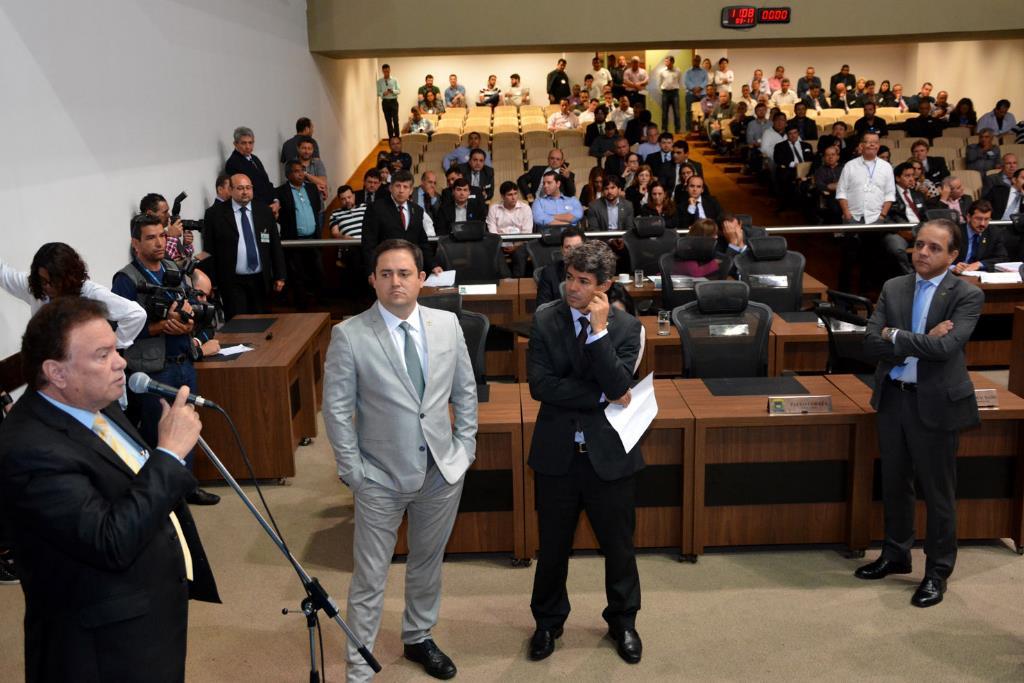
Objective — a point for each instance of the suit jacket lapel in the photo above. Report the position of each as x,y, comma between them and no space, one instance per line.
61,421
388,347
940,302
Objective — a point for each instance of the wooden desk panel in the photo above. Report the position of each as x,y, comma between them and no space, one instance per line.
998,441
501,307
668,452
490,517
270,393
799,347
663,355
991,345
740,450
1016,381
813,290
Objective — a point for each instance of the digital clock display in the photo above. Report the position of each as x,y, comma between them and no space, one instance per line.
748,16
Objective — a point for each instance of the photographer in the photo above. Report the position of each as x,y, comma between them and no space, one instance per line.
179,240
203,335
164,347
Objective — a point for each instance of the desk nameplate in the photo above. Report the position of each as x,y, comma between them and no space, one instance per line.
799,405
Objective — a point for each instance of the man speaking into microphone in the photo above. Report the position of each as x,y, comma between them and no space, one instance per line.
107,550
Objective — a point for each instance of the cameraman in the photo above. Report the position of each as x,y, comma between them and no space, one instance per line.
179,241
203,337
164,347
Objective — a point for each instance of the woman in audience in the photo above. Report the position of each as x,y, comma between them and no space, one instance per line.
983,155
924,186
860,89
705,227
963,114
431,105
57,270
709,70
687,171
660,204
724,76
592,190
632,166
884,153
637,190
884,96
759,85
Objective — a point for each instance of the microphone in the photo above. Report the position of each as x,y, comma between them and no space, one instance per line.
141,383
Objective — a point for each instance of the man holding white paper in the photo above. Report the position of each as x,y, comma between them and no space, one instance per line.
581,356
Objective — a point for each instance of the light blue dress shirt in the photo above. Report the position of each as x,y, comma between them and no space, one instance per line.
545,208
907,372
305,221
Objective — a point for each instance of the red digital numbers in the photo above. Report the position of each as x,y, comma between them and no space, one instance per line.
747,16
773,15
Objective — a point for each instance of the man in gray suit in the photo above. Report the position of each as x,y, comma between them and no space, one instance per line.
611,211
924,397
390,374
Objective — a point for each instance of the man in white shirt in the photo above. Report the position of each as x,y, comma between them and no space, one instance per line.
511,216
669,80
1000,120
602,76
586,117
622,114
563,119
784,95
771,137
635,80
867,186
516,94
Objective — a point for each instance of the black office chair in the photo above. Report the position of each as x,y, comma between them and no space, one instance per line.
774,274
647,242
936,214
451,302
473,253
723,333
475,327
699,249
851,303
546,249
845,349
1013,237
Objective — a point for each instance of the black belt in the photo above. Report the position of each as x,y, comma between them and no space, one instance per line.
180,359
581,448
902,386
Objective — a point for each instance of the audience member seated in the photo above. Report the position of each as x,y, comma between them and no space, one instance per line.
719,117
941,107
588,115
807,128
697,205
983,156
738,123
634,130
243,161
837,138
755,132
746,98
807,81
603,147
826,179
703,227
842,99
999,120
373,188
552,208
869,123
551,277
923,95
612,211
770,138
935,168
428,86
983,246
784,96
661,158
886,97
924,185
775,82
454,94
490,94
479,175
632,168
963,114
843,76
787,155
814,100
530,182
461,208
622,114
460,155
679,194
431,104
516,95
592,190
659,203
1007,201
909,206
898,100
669,175
417,124
615,163
511,216
564,118
1009,167
924,125
952,197
347,221
651,143
639,187
596,129
426,195
394,154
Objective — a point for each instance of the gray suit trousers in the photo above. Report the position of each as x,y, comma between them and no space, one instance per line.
378,514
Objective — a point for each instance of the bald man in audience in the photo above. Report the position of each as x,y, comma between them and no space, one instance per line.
530,182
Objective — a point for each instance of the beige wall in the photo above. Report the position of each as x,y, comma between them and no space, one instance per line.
345,28
984,71
351,83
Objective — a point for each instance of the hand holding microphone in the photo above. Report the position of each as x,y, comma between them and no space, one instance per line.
179,426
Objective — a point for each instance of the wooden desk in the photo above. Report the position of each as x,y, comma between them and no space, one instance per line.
490,517
990,469
663,487
662,355
796,346
990,344
1016,382
270,393
813,290
763,479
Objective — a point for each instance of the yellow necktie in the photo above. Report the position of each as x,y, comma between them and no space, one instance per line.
102,429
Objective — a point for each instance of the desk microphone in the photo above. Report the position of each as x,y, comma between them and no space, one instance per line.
141,383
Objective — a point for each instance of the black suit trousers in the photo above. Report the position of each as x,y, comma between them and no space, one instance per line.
244,294
912,452
390,108
610,508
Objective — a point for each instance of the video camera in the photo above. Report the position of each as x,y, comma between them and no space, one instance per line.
193,225
160,300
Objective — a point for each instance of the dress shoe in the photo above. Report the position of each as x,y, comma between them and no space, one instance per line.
628,645
542,644
881,568
434,662
201,497
928,593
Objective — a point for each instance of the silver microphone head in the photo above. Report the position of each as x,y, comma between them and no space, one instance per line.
138,383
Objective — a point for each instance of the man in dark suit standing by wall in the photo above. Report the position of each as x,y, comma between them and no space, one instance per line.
301,217
394,216
108,552
924,398
581,356
242,160
246,248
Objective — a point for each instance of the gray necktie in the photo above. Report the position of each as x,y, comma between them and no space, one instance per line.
412,360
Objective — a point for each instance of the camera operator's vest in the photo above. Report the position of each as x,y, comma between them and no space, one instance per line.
149,354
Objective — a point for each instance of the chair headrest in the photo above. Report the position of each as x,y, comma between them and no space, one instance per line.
699,249
551,238
649,226
768,248
724,296
468,231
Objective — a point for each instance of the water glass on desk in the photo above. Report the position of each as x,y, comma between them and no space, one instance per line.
664,323
638,279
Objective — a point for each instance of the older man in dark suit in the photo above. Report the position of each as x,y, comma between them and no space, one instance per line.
243,161
924,398
108,552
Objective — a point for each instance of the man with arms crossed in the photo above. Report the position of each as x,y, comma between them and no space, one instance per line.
108,552
924,398
390,374
581,356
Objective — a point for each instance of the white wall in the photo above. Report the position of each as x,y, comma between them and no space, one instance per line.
105,101
984,71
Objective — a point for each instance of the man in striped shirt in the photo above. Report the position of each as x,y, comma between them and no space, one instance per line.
347,222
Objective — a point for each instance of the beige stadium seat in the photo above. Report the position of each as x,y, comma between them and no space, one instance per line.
1013,149
447,141
506,136
834,112
485,137
802,169
1007,139
897,134
534,130
956,132
505,129
971,179
905,116
568,135
887,113
551,109
413,138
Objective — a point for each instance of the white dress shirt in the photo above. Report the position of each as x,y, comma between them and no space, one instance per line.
415,320
866,186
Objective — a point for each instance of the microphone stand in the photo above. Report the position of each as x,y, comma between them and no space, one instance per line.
317,598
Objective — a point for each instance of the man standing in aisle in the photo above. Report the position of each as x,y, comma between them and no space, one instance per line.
388,92
924,398
394,369
668,82
581,357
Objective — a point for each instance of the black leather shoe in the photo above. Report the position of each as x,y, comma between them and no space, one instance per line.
881,568
542,644
628,645
201,497
434,662
928,593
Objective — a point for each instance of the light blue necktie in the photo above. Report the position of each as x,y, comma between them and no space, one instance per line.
918,316
412,360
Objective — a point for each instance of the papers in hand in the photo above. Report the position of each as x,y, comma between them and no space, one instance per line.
445,279
632,421
233,350
1000,278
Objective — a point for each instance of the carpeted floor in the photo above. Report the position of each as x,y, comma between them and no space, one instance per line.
764,614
